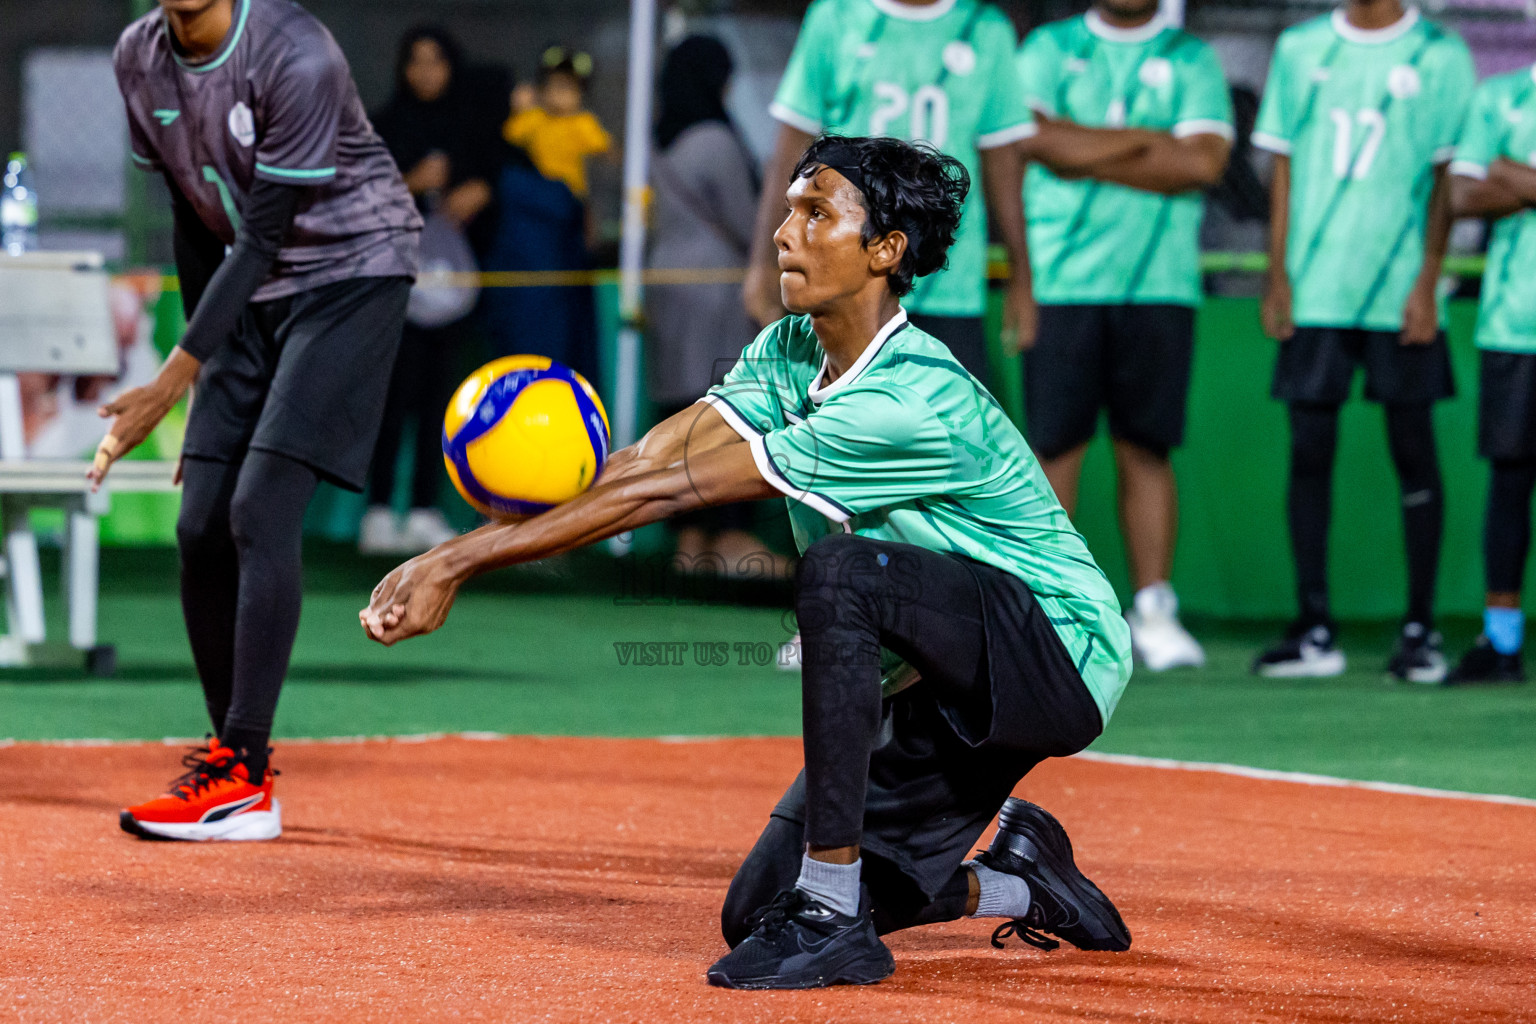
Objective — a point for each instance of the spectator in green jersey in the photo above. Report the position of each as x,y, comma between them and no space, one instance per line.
1362,111
1494,176
934,71
1135,119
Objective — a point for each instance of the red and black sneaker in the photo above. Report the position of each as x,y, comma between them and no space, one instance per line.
215,799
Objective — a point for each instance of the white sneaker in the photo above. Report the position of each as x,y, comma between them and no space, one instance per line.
426,528
1158,640
378,534
789,655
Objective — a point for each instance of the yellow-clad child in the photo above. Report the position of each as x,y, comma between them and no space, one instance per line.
549,122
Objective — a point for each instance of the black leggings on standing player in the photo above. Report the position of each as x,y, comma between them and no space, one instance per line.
239,531
1411,440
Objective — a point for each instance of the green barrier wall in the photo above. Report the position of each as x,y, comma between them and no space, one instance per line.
1234,559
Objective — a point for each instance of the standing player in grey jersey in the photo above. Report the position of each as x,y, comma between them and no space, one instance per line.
296,244
1362,110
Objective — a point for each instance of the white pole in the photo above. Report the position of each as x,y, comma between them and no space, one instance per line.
1173,12
637,158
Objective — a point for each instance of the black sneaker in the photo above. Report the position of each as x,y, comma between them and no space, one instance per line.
1482,665
798,943
1417,657
1306,650
1062,901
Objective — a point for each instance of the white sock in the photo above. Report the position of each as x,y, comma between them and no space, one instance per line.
835,886
1002,894
1157,599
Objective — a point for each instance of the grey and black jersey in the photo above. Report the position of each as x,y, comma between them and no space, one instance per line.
275,102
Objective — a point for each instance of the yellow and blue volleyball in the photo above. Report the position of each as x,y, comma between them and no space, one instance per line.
523,434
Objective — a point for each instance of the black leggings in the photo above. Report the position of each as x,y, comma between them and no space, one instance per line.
240,533
419,389
1411,440
1507,528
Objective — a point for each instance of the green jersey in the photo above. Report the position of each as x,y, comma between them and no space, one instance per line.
1502,123
941,74
907,447
1365,117
1098,242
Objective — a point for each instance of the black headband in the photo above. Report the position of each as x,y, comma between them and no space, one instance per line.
844,159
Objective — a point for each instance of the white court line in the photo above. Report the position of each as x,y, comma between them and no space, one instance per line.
1301,778
1129,760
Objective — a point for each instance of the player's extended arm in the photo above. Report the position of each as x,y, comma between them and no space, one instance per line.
416,597
269,211
1421,313
1275,309
1002,180
690,432
760,292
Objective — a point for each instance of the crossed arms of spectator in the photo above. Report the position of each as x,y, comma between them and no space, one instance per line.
1507,189
1135,157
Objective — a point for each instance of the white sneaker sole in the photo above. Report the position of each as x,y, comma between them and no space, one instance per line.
252,826
1323,666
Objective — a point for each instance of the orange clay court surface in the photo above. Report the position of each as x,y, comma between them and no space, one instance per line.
579,880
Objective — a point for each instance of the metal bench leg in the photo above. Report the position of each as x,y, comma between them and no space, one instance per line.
82,563
25,593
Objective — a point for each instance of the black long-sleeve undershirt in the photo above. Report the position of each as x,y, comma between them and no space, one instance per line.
215,287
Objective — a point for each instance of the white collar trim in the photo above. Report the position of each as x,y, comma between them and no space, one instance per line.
821,394
1374,36
914,12
1533,72
1115,34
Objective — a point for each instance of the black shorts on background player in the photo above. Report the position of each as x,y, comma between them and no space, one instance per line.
1506,406
304,376
1317,365
1133,360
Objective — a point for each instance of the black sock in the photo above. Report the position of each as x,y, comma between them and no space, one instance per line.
210,577
250,746
1309,501
1411,438
1507,527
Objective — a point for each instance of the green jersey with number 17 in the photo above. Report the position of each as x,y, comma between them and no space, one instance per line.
1365,117
940,73
1098,242
1502,125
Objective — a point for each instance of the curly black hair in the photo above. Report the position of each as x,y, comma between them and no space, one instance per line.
913,189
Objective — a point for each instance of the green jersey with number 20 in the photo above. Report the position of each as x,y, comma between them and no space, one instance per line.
1365,117
1502,123
941,74
1098,242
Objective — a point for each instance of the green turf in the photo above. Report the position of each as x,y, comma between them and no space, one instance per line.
533,651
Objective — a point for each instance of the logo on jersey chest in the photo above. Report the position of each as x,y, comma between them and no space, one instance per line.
1155,72
242,124
165,117
1403,82
960,58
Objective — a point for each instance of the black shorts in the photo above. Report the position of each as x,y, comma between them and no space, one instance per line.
1506,405
966,337
1133,360
1317,365
941,772
304,376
